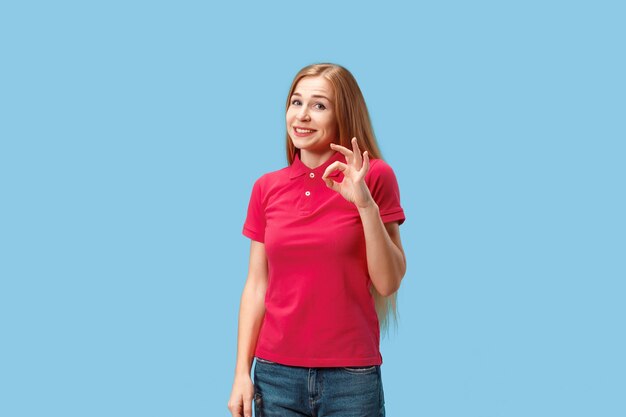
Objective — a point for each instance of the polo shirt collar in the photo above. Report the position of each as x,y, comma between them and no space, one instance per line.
297,168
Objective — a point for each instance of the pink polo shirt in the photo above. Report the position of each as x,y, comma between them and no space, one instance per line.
318,308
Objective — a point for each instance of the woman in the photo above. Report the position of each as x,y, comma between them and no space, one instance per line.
325,261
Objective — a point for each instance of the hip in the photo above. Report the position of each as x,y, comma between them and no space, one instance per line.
282,389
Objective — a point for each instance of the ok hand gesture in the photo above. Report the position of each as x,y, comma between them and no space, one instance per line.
353,187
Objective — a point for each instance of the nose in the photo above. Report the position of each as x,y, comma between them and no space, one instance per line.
303,114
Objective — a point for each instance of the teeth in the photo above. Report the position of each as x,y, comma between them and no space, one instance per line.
304,130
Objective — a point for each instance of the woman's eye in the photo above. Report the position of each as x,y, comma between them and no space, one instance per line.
319,106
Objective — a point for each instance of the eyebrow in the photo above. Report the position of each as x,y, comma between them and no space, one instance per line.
314,95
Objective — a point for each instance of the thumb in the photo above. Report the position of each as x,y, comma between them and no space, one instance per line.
331,184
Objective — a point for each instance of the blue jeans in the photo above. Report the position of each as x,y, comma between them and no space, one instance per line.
286,391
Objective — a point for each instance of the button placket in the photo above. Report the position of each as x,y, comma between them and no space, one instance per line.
306,204
311,176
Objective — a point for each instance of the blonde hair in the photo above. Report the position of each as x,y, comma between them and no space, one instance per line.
353,121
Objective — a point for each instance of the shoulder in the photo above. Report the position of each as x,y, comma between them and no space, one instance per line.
379,170
379,164
272,178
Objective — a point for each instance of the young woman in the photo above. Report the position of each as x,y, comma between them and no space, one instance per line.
326,261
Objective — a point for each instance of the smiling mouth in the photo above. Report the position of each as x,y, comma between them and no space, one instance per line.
301,133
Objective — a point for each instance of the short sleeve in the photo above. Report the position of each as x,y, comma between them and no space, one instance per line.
254,225
384,188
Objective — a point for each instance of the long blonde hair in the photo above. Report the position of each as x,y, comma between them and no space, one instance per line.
353,121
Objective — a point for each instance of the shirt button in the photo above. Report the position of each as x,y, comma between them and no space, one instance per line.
312,175
308,193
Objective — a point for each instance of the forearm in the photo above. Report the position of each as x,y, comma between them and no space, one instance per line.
251,313
385,261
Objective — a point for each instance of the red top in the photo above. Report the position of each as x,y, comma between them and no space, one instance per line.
318,308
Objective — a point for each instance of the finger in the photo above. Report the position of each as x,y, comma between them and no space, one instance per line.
366,163
357,153
333,185
345,151
235,409
247,407
337,165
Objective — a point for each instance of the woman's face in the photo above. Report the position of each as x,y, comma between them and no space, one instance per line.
311,119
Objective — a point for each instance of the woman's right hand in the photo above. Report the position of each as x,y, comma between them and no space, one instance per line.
240,403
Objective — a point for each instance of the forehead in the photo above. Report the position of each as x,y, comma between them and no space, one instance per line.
314,85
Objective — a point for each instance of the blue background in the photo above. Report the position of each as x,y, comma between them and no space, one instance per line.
132,132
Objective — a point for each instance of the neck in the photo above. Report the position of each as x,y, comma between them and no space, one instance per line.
314,159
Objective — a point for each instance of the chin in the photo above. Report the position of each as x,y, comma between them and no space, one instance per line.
299,143
295,143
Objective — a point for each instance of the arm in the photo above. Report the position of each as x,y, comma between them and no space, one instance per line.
386,262
252,308
251,313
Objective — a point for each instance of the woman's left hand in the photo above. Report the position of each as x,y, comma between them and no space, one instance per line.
353,187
